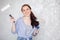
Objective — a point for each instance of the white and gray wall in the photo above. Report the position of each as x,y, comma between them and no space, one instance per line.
47,12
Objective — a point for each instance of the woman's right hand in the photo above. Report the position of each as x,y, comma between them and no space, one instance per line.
12,20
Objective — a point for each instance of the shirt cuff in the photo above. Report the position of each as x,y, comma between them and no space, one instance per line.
37,27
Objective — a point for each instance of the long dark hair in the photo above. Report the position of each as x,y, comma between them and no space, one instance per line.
33,18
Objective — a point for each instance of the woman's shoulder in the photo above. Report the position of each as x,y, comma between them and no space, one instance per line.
19,19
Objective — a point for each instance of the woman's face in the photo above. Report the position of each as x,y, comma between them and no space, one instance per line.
26,11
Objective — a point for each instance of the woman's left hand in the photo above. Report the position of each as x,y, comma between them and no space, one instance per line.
35,32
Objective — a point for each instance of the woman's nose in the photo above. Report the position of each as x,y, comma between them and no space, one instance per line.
25,11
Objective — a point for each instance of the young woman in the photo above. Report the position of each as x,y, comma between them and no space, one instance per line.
26,26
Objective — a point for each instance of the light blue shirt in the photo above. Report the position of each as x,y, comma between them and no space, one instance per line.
23,30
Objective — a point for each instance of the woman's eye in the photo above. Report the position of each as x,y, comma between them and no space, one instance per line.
27,9
23,10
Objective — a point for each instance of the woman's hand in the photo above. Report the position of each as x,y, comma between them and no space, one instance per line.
12,20
35,32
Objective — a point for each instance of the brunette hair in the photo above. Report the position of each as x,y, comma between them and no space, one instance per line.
33,18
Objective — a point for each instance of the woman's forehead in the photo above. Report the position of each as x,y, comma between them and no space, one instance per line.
25,7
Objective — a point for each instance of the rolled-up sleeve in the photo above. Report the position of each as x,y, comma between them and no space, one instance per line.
16,27
37,27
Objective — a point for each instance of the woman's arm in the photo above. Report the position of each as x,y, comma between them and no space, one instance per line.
36,31
13,28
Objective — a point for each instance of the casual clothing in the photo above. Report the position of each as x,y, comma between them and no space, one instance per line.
23,31
22,38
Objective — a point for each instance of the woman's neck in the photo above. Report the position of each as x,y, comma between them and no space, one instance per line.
26,17
27,20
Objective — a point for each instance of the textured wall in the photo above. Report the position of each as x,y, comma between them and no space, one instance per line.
47,12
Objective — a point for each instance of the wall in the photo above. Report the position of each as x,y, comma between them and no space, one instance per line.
47,12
